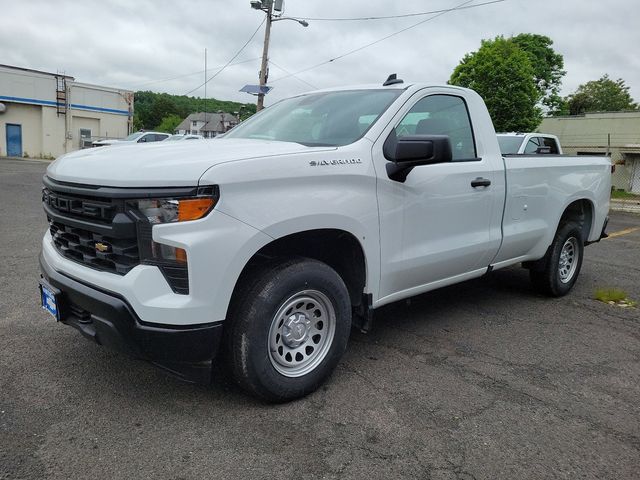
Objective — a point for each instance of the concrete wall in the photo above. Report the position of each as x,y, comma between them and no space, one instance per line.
27,84
54,142
93,96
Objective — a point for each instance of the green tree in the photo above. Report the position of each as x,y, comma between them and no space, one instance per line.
501,72
547,66
602,95
162,107
169,123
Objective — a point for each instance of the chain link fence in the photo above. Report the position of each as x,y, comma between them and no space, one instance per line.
626,177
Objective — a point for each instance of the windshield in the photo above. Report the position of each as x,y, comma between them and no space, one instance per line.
318,119
173,138
133,137
509,144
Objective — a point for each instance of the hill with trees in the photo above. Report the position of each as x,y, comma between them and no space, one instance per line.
162,111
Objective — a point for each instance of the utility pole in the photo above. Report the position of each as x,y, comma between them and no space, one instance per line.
268,7
264,67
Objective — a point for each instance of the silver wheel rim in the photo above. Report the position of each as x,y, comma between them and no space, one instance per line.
568,260
301,333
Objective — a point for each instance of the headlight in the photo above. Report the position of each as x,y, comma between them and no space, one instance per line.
168,210
172,261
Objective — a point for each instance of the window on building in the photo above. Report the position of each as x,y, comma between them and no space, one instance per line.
85,137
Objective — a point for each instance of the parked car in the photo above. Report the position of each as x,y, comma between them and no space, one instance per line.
138,137
180,137
269,244
529,143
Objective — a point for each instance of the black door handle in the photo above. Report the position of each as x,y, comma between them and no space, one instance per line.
480,182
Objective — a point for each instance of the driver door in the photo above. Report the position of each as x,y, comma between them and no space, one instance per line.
436,228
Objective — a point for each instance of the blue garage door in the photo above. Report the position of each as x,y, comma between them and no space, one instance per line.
14,140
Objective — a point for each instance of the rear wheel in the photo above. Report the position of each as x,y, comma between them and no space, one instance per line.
561,265
289,327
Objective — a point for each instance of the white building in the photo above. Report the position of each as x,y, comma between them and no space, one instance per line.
208,125
47,114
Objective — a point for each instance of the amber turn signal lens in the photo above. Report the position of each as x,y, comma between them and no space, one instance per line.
181,255
194,208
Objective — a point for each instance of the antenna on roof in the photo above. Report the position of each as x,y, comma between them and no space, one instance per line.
392,80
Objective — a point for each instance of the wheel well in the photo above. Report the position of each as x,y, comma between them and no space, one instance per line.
581,212
337,248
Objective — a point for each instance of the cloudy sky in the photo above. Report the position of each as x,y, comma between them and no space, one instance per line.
139,45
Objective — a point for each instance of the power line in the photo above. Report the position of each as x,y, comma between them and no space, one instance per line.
231,60
199,72
458,7
291,74
385,17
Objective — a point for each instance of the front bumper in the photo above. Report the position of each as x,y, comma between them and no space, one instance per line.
107,319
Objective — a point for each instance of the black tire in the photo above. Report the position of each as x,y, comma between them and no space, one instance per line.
550,277
258,366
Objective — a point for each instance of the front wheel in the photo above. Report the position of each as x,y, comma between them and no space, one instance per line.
289,327
561,265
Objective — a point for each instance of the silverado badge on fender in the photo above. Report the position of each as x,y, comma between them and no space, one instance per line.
342,161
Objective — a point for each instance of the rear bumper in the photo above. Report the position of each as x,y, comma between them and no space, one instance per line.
107,319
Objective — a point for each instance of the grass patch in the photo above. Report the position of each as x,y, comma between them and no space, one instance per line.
614,296
622,194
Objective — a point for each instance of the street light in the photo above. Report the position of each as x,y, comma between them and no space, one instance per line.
268,7
304,23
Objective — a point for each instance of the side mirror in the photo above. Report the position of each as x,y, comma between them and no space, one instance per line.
405,153
142,140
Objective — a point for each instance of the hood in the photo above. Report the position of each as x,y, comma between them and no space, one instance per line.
162,164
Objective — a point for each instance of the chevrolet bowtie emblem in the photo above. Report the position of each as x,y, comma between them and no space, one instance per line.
102,247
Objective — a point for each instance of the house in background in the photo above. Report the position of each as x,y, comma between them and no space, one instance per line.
208,125
44,114
616,134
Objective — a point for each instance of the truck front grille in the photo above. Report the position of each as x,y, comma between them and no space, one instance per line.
116,255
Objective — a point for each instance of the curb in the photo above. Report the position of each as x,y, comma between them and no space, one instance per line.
41,160
631,206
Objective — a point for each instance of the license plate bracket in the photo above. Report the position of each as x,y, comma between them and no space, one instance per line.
50,299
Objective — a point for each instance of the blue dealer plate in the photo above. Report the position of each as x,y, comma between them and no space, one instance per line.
49,300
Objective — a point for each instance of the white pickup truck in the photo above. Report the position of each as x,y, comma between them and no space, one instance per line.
264,247
529,144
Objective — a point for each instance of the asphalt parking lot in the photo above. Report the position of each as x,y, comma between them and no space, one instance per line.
482,380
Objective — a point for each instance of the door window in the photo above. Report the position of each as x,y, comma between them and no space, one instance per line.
442,115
